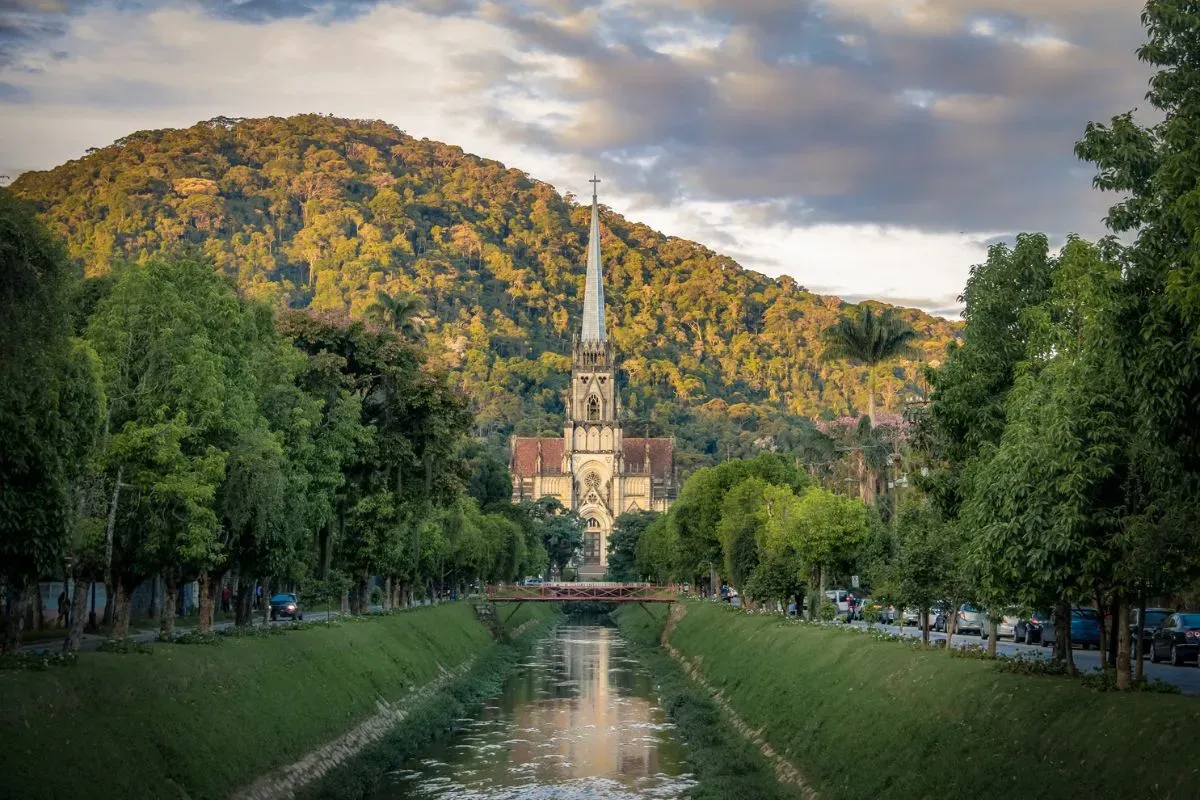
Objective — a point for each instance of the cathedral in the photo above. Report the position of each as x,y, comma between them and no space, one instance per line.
594,468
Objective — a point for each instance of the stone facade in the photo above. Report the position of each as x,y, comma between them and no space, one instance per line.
594,468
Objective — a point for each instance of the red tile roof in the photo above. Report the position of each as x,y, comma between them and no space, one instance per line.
661,456
525,450
523,460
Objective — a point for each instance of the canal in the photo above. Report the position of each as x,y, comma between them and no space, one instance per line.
578,721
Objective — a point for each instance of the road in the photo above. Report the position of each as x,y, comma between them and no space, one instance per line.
1187,677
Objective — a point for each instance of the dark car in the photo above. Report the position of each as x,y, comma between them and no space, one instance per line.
1085,629
1154,619
286,606
1178,639
1029,629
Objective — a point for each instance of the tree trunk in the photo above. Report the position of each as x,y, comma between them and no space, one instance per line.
39,613
951,627
205,624
166,624
110,528
993,629
1141,631
1061,617
78,616
344,604
266,601
871,395
15,623
1123,673
1114,636
120,603
1104,637
244,603
387,594
925,625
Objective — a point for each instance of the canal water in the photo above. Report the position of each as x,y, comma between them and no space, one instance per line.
578,721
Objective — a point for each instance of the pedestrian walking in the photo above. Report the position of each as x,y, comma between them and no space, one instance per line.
226,598
63,615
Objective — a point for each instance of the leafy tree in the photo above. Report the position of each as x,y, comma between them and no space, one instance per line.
870,339
623,544
812,534
51,405
398,312
1158,317
740,529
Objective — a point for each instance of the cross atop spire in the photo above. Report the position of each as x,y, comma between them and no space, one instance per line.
593,288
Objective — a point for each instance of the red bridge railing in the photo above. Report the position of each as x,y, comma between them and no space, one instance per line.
583,592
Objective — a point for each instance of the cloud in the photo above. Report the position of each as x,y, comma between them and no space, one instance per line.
813,137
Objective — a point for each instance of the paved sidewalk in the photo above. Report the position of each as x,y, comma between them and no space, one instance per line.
92,641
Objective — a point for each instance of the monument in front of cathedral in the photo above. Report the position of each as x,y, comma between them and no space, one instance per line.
594,469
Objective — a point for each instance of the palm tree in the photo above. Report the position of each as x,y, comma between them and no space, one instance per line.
870,338
398,312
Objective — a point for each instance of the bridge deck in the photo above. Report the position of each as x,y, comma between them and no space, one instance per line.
583,592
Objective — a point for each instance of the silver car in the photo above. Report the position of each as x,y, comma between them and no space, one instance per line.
970,620
1006,627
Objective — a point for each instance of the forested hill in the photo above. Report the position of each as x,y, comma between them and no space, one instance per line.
321,212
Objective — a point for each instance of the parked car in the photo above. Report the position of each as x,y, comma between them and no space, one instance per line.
912,617
1007,626
1178,638
286,605
937,616
1029,629
1154,619
840,598
1085,629
970,619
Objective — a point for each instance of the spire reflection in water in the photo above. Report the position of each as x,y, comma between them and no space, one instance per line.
578,721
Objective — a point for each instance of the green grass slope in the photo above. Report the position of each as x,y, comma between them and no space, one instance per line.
200,721
864,719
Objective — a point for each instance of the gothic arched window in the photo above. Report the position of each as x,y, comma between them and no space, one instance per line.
593,522
593,409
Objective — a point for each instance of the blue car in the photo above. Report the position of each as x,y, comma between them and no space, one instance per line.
1085,628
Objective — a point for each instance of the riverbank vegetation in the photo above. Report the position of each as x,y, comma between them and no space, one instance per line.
160,426
204,721
725,764
860,718
441,714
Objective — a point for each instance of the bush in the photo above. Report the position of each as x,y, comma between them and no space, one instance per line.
37,660
126,645
828,610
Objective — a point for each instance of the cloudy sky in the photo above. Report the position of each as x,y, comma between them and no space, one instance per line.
870,148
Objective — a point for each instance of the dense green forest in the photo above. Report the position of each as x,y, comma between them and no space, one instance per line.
319,212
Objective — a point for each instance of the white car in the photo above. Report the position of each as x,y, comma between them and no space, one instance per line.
840,598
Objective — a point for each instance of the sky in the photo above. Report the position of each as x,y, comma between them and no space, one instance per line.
868,148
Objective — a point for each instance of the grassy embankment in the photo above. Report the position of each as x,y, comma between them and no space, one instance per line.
725,765
202,721
869,719
432,719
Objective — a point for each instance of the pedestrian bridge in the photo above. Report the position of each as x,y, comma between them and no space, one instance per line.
583,592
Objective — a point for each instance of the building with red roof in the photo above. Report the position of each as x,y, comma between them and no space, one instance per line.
593,468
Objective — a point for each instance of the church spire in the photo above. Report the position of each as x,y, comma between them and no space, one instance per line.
593,291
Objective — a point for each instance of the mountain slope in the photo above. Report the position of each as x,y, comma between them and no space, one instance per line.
317,211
